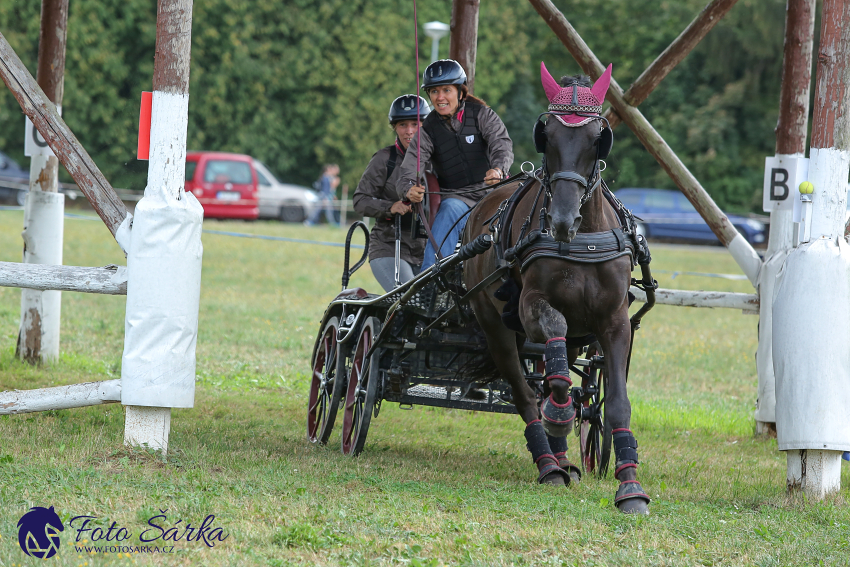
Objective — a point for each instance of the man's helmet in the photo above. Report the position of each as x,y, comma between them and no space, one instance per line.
404,108
443,72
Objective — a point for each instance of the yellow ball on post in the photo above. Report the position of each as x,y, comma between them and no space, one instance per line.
806,188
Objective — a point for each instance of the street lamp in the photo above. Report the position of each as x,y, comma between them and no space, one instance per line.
436,30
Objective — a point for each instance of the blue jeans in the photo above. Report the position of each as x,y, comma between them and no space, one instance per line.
445,235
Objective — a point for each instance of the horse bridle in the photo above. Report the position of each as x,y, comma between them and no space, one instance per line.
589,183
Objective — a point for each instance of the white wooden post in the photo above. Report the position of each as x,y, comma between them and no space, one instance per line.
38,337
811,337
164,259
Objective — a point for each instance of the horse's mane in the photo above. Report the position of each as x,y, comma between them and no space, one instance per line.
582,80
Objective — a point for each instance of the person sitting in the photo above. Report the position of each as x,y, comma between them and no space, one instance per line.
376,197
467,144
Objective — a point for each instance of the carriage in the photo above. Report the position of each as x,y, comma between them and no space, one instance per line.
420,344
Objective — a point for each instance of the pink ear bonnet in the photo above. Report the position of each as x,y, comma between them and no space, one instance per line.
575,98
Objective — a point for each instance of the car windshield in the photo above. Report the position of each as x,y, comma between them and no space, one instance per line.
227,171
272,176
686,205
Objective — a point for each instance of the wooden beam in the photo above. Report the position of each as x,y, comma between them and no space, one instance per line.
747,302
60,397
791,128
464,36
63,278
673,55
652,141
62,141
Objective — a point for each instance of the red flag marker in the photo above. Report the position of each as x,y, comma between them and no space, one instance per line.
144,149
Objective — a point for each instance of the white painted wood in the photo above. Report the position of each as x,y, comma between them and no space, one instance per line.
43,235
816,473
685,298
110,280
60,397
828,172
746,257
147,426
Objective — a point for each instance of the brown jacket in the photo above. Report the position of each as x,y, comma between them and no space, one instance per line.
499,151
374,197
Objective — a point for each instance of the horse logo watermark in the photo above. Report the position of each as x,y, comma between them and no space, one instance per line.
38,532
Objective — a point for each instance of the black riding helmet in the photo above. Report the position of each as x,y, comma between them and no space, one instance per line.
443,72
404,108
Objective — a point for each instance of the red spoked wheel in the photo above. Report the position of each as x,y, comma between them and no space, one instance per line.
325,389
595,435
362,389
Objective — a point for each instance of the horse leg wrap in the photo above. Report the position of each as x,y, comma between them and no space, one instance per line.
625,449
559,449
538,445
557,418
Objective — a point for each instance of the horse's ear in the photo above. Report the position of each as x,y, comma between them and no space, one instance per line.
600,87
606,141
539,136
550,85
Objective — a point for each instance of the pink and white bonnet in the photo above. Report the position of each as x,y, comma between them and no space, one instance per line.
584,100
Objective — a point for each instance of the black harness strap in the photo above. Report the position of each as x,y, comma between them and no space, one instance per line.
391,162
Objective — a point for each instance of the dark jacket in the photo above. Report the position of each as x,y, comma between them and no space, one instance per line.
374,197
499,154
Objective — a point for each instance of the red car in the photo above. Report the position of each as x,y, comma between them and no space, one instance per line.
225,184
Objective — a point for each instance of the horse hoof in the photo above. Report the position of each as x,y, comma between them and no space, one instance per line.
575,477
554,479
634,506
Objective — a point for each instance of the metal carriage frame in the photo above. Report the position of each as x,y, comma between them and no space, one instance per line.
419,343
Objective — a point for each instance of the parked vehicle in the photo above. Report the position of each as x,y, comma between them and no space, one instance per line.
224,183
283,201
667,214
14,181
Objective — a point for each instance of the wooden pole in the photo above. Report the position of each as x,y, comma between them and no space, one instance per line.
740,249
811,405
464,36
672,56
61,140
791,130
38,335
158,366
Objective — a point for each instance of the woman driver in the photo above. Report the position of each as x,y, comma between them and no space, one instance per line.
467,144
376,197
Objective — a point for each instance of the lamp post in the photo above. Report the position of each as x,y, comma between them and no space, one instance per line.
436,30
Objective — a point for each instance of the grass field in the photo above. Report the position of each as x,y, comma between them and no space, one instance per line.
433,487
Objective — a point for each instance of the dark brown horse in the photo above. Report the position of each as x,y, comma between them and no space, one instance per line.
560,298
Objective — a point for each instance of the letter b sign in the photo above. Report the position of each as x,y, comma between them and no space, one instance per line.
782,174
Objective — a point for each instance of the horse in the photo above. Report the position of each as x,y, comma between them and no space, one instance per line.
560,299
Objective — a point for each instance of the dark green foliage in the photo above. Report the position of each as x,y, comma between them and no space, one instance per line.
300,83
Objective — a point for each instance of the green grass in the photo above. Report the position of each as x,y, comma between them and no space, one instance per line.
433,486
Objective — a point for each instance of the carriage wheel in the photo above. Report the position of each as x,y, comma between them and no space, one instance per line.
361,392
595,434
325,389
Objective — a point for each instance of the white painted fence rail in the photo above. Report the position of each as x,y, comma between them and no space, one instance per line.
110,280
60,397
748,302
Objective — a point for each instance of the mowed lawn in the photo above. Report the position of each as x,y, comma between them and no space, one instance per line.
433,487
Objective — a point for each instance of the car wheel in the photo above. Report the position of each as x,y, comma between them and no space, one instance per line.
292,213
21,198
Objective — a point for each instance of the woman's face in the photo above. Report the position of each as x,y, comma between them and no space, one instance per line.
444,99
405,129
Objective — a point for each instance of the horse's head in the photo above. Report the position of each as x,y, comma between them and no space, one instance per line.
573,140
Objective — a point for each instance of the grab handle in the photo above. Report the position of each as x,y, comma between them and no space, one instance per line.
346,273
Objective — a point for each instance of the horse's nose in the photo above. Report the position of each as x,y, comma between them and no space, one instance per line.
564,229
